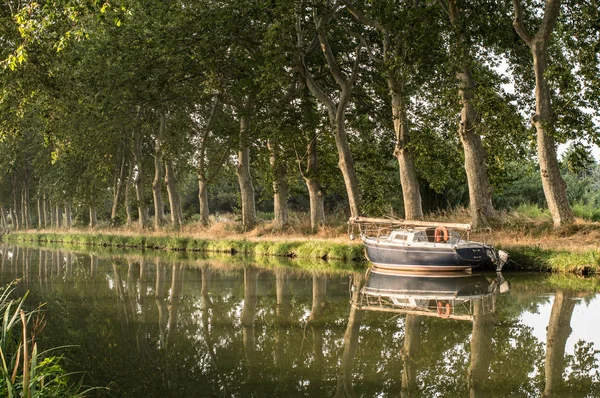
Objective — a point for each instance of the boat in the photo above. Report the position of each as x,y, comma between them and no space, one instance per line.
445,295
424,246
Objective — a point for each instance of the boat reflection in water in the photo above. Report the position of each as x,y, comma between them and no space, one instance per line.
444,295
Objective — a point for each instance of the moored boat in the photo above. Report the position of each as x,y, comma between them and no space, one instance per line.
424,246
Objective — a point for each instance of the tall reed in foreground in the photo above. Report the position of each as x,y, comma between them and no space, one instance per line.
25,371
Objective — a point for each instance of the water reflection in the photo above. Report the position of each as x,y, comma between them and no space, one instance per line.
445,295
165,326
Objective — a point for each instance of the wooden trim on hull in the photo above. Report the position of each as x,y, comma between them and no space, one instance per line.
412,267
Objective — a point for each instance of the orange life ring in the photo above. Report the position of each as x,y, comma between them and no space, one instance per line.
444,311
441,234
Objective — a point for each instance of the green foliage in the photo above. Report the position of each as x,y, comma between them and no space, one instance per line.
25,371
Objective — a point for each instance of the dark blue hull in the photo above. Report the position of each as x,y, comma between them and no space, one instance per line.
416,257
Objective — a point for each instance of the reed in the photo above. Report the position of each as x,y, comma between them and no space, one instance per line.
24,370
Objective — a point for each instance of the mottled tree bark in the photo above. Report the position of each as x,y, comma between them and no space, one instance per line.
120,181
336,108
26,203
127,196
280,188
411,194
93,217
59,216
203,199
315,193
40,219
4,220
45,210
174,198
480,189
159,206
243,168
139,182
408,174
68,218
555,188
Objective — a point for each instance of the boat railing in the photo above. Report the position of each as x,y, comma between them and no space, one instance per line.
382,227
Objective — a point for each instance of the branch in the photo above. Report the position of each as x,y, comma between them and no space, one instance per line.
361,18
444,7
550,16
519,24
356,66
313,86
329,57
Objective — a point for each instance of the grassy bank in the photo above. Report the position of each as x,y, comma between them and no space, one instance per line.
306,249
323,253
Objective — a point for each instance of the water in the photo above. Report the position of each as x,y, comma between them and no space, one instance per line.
147,326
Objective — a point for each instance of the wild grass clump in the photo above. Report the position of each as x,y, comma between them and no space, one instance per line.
25,371
179,243
586,212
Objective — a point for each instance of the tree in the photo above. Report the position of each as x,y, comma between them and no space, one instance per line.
555,188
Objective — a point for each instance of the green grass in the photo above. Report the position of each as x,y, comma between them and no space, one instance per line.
534,258
309,250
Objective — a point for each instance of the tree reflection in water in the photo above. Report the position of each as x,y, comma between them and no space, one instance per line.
161,327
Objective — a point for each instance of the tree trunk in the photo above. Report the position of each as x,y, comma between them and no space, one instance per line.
68,216
40,219
59,216
52,215
203,199
315,193
24,219
139,183
15,209
336,108
410,350
409,182
118,187
558,331
26,204
346,164
344,384
159,206
248,315
319,291
555,188
93,217
127,196
4,220
482,350
280,189
174,198
480,189
174,300
243,169
45,210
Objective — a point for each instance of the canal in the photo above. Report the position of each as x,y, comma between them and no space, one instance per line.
178,325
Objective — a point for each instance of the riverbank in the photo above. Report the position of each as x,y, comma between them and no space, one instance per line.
549,253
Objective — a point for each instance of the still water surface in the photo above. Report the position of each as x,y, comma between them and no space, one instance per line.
163,326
